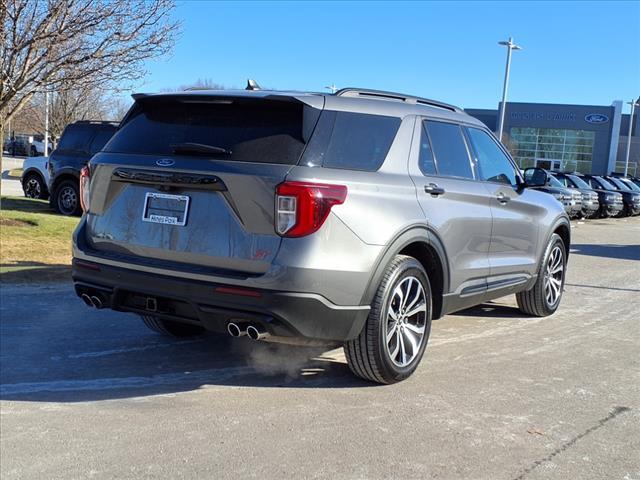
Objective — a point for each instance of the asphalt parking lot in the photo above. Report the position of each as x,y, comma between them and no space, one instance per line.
89,393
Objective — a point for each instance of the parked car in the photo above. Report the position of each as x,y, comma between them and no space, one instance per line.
599,182
35,177
628,191
630,183
78,143
570,198
351,218
591,202
17,147
24,146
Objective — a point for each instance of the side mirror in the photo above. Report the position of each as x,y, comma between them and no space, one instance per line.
535,177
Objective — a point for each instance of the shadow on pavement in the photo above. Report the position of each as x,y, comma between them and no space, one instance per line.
55,349
115,358
622,252
494,310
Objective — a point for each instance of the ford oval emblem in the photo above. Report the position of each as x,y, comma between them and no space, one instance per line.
165,162
596,118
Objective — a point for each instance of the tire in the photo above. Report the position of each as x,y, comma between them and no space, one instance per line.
370,355
66,198
171,329
33,152
34,186
538,301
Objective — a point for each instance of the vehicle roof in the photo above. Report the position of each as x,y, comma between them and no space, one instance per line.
108,123
385,103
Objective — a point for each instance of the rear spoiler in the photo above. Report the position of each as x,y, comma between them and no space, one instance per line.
313,101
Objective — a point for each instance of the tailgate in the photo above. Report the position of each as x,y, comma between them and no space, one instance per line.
157,198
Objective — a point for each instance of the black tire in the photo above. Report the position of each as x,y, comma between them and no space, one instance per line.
536,301
171,329
66,198
368,355
34,186
33,152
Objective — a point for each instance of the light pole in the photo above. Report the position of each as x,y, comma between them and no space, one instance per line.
510,46
46,123
633,103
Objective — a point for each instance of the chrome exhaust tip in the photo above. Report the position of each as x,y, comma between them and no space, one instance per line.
86,299
236,330
96,301
257,333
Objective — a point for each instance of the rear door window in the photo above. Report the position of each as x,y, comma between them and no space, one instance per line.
449,149
353,141
263,131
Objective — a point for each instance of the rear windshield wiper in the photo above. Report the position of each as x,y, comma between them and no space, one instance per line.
197,149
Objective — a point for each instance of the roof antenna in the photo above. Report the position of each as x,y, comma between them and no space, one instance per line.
252,85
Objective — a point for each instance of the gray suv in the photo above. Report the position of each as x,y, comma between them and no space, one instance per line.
352,218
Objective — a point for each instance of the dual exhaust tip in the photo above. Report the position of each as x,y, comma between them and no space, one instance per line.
92,300
254,332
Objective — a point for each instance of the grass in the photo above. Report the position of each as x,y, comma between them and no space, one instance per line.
35,242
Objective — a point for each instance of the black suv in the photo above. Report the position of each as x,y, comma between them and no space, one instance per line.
595,203
78,143
630,201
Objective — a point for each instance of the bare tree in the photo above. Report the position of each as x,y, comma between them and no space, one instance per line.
201,84
60,44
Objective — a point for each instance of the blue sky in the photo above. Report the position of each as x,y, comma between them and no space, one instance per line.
574,52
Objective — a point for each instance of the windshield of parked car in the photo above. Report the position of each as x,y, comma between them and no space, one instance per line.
631,185
554,182
578,182
619,184
606,185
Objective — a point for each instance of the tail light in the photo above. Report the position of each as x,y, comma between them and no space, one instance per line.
85,181
302,208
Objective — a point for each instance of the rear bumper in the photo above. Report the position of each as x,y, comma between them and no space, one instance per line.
286,314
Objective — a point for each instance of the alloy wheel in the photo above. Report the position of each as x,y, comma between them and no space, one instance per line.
406,321
553,276
32,188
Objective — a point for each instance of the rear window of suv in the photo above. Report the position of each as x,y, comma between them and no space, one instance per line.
353,141
263,131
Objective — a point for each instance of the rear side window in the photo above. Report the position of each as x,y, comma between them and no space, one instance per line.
76,138
427,165
262,131
353,141
449,149
100,139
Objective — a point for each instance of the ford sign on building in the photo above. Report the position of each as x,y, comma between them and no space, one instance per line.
582,138
596,118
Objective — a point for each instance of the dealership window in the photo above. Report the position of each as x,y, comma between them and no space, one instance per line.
553,148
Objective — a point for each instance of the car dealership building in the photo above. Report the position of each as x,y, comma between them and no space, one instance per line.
584,138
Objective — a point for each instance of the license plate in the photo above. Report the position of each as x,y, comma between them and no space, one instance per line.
166,209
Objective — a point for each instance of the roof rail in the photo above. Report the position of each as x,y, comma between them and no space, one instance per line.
100,122
380,94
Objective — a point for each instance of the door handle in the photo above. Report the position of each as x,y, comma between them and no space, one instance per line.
434,189
502,198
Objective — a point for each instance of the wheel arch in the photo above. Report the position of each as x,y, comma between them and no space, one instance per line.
562,227
66,174
423,244
35,171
